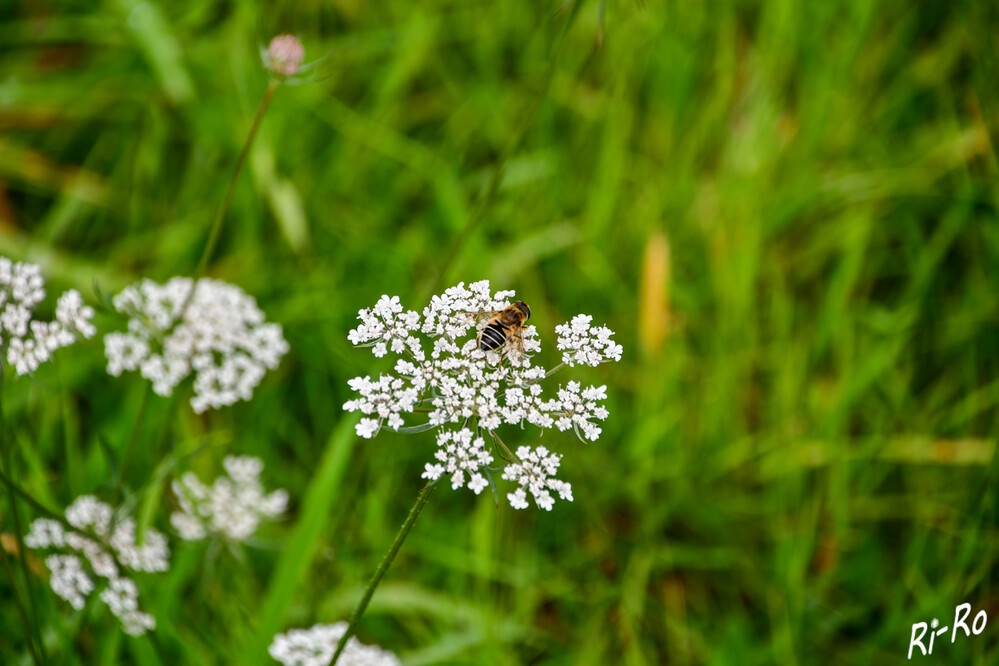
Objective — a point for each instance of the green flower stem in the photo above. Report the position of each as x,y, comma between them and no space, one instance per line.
213,237
382,568
31,501
32,634
499,441
554,370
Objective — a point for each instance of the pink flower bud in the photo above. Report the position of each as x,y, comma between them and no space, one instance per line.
285,55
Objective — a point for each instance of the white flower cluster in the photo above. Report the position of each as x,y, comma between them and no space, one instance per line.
458,453
315,647
442,368
231,508
586,345
219,334
535,473
385,398
579,406
28,341
99,546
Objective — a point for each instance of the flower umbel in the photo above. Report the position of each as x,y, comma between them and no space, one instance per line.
221,338
458,453
27,342
586,345
98,547
315,647
231,508
536,474
442,369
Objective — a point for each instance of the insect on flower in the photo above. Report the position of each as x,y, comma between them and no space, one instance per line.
466,387
505,327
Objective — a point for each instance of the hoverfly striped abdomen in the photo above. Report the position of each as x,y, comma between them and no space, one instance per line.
493,336
505,326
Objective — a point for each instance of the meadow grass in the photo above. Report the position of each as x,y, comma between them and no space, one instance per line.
786,211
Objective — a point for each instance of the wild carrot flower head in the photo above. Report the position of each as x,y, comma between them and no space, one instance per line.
29,342
441,369
315,647
218,334
98,547
284,55
231,508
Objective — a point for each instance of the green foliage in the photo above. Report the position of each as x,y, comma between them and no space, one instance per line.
787,211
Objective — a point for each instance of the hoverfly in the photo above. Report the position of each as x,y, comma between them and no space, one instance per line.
505,327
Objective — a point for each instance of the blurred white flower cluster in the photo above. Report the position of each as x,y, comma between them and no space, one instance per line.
218,333
99,547
315,647
29,342
231,508
442,368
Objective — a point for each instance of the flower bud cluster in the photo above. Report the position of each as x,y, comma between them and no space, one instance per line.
98,547
231,508
29,342
218,334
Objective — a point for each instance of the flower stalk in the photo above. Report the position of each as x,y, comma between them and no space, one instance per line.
213,236
355,617
496,438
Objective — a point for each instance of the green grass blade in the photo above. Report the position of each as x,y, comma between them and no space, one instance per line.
296,557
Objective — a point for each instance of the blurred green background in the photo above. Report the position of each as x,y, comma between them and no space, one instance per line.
786,210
